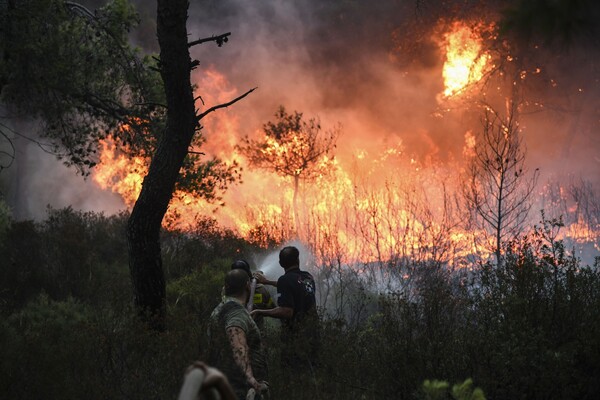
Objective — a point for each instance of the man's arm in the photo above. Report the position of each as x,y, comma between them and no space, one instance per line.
277,312
241,354
261,278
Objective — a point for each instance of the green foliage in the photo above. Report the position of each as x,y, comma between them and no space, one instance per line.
209,178
202,246
21,274
199,292
5,218
60,350
435,390
527,329
71,254
465,391
438,390
531,313
75,71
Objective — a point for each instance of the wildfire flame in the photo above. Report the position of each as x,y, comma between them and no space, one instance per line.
120,174
466,62
384,206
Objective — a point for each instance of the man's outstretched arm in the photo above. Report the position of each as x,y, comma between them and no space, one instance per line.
241,355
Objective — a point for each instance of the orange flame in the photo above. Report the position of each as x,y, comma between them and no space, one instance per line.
466,62
371,207
118,173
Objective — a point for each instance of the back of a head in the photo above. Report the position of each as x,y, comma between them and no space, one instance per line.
289,257
242,265
235,282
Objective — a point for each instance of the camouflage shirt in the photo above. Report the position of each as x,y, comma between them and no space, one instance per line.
230,313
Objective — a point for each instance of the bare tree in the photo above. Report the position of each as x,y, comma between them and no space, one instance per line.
292,147
495,185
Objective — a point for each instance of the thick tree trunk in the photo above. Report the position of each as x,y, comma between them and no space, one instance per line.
144,225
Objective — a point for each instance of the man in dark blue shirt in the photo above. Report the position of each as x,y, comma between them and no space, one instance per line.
296,307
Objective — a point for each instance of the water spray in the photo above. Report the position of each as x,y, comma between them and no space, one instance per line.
250,304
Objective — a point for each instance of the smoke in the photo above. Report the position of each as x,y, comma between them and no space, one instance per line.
323,61
37,180
376,71
269,264
373,67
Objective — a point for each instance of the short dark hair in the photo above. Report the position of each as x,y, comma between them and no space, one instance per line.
242,264
289,256
235,282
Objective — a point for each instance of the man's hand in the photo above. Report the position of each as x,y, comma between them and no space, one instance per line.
277,312
254,313
259,386
263,386
261,278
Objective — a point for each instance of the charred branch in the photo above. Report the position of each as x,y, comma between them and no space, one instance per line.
224,105
219,40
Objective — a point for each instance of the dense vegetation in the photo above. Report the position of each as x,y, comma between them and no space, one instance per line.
530,329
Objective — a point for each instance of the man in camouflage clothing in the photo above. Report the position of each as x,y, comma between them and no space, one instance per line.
235,340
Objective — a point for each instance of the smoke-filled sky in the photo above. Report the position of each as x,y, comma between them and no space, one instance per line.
373,67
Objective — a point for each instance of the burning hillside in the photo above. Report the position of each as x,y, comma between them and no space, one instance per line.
409,96
394,188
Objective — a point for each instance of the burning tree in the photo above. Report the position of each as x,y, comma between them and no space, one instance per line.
496,188
294,148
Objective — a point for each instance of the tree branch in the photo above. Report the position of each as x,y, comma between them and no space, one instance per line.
151,103
11,154
219,39
224,105
80,9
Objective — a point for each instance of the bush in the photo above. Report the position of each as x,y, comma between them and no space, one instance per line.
528,328
533,317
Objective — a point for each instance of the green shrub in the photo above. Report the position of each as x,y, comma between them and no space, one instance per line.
438,390
527,329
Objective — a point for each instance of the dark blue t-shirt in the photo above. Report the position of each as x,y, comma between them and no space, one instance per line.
296,290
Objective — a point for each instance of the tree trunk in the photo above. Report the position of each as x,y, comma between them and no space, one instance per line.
143,230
